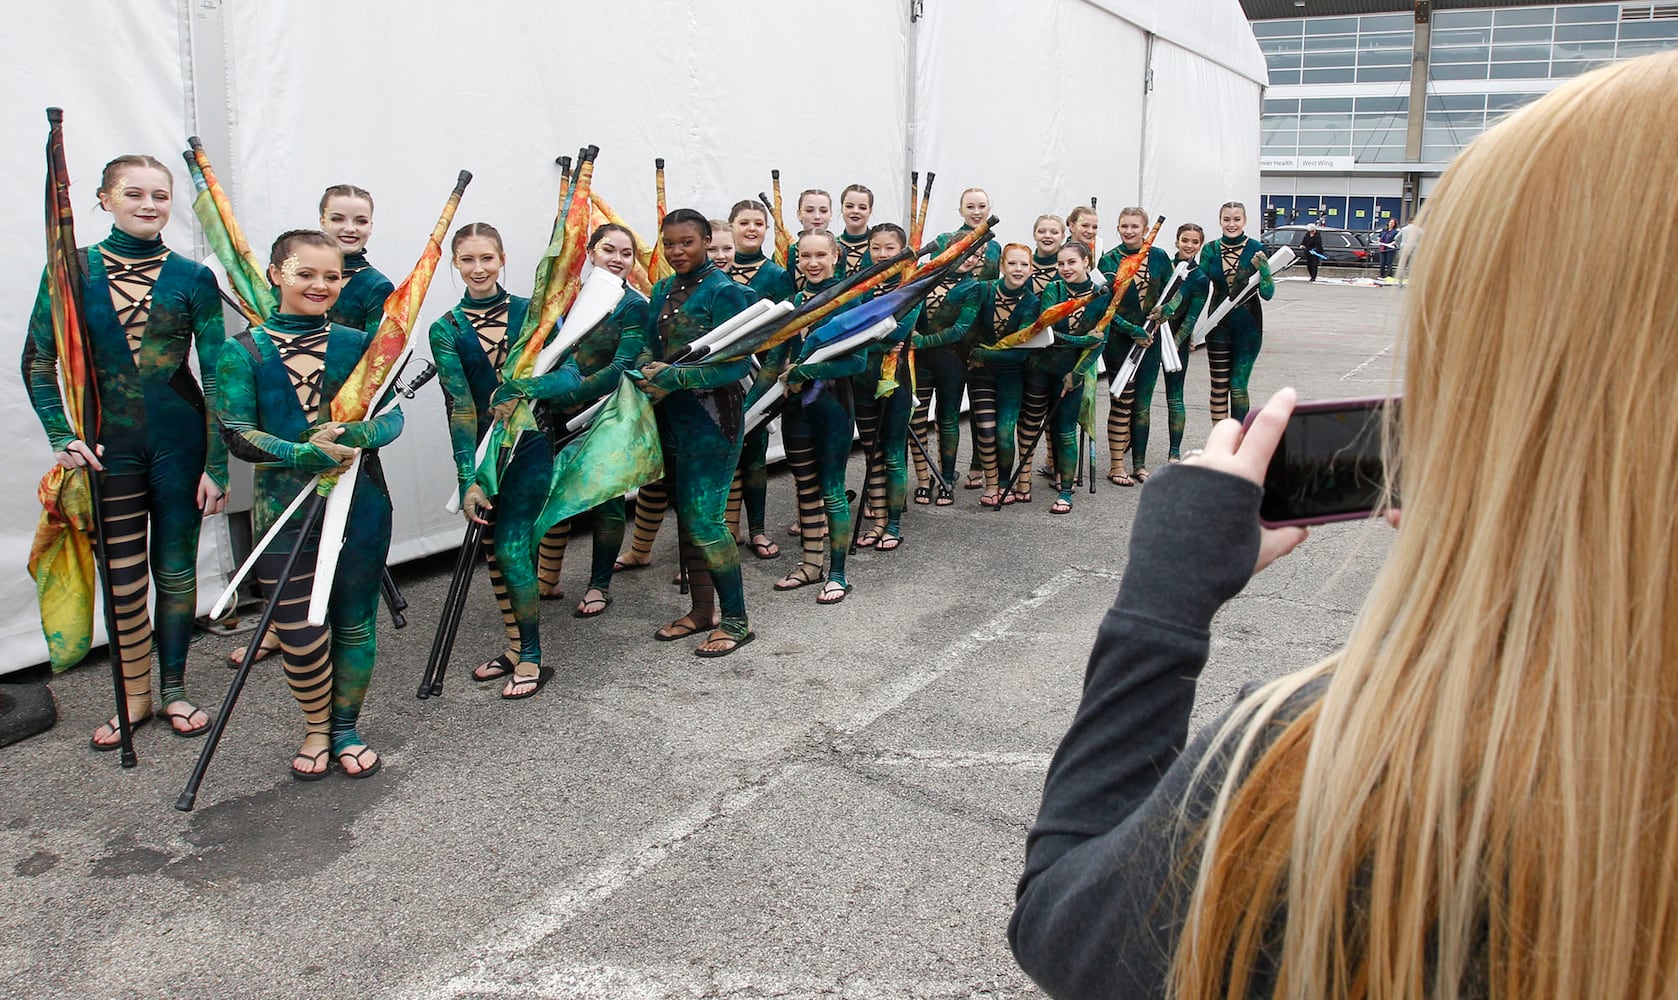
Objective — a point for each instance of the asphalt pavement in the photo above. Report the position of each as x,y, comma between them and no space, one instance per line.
837,810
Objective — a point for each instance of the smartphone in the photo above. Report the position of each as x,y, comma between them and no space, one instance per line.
1328,465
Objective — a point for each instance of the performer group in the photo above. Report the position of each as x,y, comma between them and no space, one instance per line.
1022,331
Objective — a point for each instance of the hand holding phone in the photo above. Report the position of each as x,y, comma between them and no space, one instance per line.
1327,465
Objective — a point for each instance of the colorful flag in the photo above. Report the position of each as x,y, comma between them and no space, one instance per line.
221,229
619,452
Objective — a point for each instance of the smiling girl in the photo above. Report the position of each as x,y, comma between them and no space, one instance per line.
1231,349
346,215
163,470
277,382
856,207
699,419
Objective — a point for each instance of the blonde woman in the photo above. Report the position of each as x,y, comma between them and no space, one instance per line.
1474,797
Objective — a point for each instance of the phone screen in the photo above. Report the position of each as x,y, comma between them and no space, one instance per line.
1328,466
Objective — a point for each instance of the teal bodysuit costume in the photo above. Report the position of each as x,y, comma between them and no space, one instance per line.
1180,313
1127,417
996,380
154,427
817,426
883,428
1077,343
941,346
276,385
768,280
853,254
699,427
361,300
1233,347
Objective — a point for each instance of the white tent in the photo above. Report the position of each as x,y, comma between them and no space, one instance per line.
1045,104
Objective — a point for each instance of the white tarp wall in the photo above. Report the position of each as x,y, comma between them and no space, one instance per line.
1043,104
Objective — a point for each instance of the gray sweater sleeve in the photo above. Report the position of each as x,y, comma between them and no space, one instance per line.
1105,885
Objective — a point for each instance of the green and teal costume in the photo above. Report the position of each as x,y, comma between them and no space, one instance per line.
154,428
991,269
361,300
1128,415
1233,348
276,384
1077,344
1043,271
817,425
699,427
941,346
770,281
853,254
996,379
882,423
1180,313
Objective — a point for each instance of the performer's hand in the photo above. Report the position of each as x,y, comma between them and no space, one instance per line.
475,503
1068,382
76,455
652,368
504,411
1247,454
650,390
1154,315
326,439
211,500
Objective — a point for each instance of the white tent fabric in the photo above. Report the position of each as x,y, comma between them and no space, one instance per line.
1043,104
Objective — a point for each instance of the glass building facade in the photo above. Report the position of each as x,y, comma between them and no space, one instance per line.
1337,114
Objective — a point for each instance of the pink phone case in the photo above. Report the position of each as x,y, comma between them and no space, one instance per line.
1322,406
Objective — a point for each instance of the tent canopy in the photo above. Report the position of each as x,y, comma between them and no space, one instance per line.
1150,102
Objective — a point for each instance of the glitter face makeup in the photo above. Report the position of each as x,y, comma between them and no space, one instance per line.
289,268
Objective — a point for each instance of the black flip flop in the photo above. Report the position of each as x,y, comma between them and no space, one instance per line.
662,637
134,725
543,675
604,602
713,654
504,662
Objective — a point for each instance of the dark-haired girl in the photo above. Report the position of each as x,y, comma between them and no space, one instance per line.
1127,416
1060,371
882,415
699,416
276,383
817,426
856,207
1180,313
996,378
146,308
346,215
1233,347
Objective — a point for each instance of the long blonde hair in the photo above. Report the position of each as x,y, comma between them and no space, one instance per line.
1484,802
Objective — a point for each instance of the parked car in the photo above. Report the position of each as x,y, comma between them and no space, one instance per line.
1342,247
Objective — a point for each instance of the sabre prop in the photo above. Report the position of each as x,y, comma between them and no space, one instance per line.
772,401
1210,318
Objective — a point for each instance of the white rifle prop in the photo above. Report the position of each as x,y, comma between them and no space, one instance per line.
761,313
724,330
599,295
764,409
403,391
1210,318
1169,358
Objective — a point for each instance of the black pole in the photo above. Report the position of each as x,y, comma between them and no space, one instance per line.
394,601
311,521
931,466
431,682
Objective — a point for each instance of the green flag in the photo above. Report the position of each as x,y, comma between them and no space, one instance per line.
619,452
